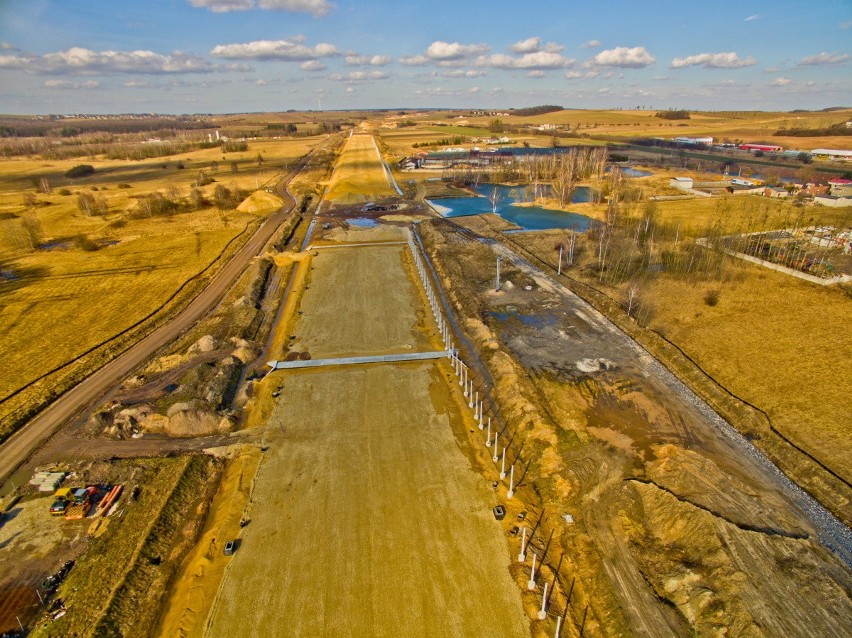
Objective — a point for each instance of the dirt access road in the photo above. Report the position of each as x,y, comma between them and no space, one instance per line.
19,447
366,517
359,175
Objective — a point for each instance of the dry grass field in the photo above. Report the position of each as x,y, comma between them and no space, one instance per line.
358,175
94,276
773,340
733,125
366,517
777,342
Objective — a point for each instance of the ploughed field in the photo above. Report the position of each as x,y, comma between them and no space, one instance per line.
366,517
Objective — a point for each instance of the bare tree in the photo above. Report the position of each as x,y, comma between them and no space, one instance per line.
494,198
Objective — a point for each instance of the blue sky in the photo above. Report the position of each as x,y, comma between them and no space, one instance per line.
219,56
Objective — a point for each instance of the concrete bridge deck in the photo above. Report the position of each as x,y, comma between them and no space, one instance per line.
348,361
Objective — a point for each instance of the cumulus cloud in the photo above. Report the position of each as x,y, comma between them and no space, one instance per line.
365,60
824,59
591,44
581,75
530,45
414,60
780,82
78,60
625,57
292,50
67,84
464,73
358,76
727,60
539,60
453,51
134,84
445,54
316,8
536,74
312,65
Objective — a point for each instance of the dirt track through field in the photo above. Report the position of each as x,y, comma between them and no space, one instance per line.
366,517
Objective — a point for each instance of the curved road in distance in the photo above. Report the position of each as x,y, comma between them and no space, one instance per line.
20,446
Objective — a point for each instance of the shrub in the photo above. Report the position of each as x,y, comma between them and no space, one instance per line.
64,191
711,297
81,170
84,243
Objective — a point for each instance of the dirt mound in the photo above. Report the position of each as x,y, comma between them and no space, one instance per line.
260,202
206,344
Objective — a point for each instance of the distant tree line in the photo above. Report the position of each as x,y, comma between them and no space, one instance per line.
673,114
834,129
537,110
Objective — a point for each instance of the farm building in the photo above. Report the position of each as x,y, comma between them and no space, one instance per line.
834,202
681,182
830,153
840,187
694,140
766,148
775,191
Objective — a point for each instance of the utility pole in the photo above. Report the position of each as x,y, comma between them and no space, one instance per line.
559,271
499,260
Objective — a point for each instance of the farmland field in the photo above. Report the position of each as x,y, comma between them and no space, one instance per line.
75,280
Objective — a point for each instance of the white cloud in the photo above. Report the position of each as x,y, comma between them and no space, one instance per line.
727,60
635,57
464,73
536,74
134,84
353,59
846,25
473,89
581,75
262,82
591,44
414,60
752,17
530,45
824,59
312,65
316,8
453,51
358,76
67,84
539,60
350,90
445,54
78,60
780,82
289,50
